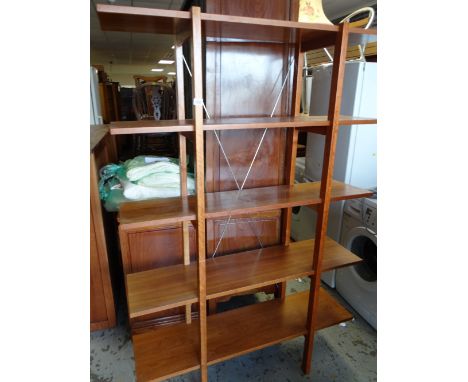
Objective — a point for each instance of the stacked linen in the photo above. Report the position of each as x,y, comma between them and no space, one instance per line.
153,177
140,178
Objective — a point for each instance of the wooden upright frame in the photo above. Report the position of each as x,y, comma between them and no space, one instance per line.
326,186
197,92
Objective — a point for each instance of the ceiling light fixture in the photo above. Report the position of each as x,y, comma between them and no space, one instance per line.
172,73
157,70
166,62
173,46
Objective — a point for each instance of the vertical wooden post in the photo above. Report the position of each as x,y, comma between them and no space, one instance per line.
291,143
183,162
197,93
336,91
291,147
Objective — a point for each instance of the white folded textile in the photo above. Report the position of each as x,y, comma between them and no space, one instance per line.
134,191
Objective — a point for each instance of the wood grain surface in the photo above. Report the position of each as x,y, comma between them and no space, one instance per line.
326,188
163,288
172,350
142,20
156,212
302,122
267,198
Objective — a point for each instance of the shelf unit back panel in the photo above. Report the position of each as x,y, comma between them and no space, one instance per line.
243,80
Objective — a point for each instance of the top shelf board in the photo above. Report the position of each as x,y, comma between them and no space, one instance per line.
311,35
222,27
143,20
309,123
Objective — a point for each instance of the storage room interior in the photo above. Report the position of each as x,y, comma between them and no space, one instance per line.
233,176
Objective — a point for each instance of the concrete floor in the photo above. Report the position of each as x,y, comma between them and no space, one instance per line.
342,353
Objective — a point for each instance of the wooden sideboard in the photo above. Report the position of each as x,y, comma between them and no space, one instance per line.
102,305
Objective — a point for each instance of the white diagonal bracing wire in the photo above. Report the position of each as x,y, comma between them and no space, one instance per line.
229,166
253,159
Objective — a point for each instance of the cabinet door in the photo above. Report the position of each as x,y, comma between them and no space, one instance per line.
154,248
98,309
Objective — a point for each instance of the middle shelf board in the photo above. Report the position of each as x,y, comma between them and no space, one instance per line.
164,288
135,215
172,350
309,123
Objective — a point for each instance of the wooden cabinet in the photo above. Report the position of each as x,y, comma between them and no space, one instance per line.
151,248
102,307
110,101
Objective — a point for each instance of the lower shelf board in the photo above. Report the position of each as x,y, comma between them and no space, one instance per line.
172,350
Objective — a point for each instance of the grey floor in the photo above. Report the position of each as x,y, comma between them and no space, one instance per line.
346,352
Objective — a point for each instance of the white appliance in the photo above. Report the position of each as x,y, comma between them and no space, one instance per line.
95,106
357,284
300,170
356,150
306,93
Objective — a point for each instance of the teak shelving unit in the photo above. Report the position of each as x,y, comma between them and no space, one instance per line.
171,350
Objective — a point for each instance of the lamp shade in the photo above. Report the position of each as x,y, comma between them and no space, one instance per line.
311,11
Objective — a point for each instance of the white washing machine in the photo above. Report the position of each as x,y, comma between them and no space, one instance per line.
356,148
357,284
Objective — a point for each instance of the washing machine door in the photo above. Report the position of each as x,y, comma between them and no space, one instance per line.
363,243
357,284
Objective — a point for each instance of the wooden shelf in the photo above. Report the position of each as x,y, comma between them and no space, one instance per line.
268,323
312,36
160,289
164,288
162,21
252,200
309,123
172,350
143,20
166,351
350,120
264,122
150,126
154,212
